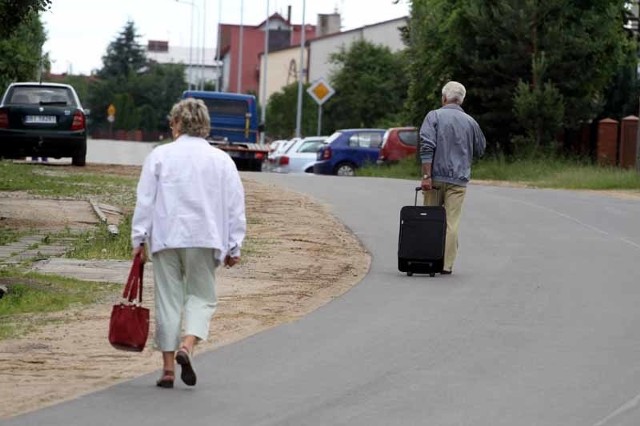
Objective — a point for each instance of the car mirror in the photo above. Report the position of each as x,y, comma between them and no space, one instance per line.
87,112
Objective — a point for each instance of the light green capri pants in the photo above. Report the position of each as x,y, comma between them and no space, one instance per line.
185,294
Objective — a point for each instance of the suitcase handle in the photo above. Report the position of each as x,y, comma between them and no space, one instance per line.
418,189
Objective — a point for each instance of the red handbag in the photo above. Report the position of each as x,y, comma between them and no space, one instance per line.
129,324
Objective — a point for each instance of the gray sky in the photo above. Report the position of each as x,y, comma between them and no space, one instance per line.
79,31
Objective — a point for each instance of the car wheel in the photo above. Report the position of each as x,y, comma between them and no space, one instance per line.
79,160
345,169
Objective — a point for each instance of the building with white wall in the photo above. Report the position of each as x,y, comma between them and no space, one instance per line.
200,64
383,33
284,64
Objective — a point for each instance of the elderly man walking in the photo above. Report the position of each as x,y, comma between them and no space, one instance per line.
449,138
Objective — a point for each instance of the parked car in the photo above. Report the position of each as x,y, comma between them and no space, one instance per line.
300,156
398,143
276,148
43,120
348,149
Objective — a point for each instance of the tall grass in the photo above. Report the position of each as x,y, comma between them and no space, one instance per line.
52,181
547,173
102,244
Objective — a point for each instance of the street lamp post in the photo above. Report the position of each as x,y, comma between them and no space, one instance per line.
190,71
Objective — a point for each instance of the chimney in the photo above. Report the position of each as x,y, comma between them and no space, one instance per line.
289,14
328,24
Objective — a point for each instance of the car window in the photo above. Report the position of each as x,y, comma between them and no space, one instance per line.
286,147
365,140
333,137
41,95
310,146
409,137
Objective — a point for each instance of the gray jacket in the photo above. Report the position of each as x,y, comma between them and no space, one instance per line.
449,138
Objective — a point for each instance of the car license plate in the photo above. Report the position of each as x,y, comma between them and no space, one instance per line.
40,119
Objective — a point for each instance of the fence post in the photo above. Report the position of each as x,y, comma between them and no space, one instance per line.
607,147
638,150
628,132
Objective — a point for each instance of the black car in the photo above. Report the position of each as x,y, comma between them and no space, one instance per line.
43,120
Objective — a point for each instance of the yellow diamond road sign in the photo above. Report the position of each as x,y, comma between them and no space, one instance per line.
320,91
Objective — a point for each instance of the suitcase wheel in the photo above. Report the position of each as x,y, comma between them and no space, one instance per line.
409,273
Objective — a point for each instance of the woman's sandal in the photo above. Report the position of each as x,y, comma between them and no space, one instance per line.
166,381
183,357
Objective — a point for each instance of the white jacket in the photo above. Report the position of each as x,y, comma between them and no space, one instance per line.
189,195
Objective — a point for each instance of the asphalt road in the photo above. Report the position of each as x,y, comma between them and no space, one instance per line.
538,325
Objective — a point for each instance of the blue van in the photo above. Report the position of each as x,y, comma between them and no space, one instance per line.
234,116
234,126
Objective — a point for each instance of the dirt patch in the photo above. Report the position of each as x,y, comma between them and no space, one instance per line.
21,210
299,258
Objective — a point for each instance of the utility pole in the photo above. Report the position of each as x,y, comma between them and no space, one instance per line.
218,68
240,50
301,72
265,57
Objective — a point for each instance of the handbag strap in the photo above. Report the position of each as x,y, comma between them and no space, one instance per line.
133,288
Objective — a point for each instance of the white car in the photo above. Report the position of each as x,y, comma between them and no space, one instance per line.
298,156
276,148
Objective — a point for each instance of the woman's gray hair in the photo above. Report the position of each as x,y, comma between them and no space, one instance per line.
193,116
454,92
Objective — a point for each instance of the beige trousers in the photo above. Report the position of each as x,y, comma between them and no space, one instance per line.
451,197
185,294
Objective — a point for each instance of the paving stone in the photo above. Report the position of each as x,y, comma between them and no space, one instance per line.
51,250
31,239
6,251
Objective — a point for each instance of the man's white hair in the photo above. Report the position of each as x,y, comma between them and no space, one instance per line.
454,92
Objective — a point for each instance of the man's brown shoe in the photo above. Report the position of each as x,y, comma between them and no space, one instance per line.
445,272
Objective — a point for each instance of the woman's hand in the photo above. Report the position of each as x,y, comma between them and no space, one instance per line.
142,251
230,261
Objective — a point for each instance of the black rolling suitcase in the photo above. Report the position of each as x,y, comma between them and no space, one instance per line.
423,230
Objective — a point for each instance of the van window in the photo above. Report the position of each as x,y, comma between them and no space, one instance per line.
226,106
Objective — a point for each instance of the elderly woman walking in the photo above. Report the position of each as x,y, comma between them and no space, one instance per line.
190,212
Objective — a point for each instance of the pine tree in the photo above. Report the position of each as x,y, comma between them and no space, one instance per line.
125,56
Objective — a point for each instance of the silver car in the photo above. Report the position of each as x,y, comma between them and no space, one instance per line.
299,156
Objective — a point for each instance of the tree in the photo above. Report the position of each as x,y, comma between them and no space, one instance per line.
155,91
14,13
125,56
21,53
142,91
370,86
488,45
281,113
539,108
147,100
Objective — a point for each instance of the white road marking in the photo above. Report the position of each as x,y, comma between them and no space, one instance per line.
573,219
633,403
